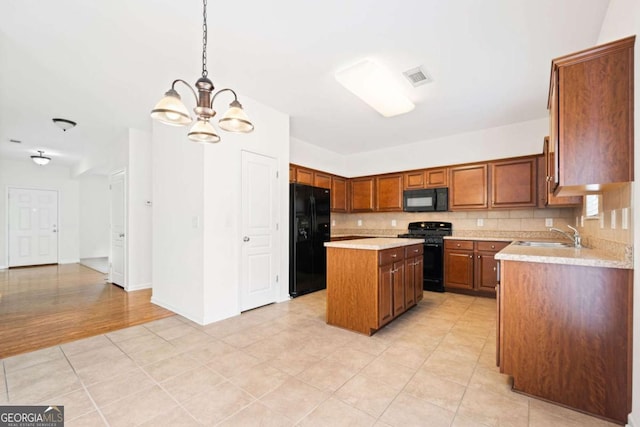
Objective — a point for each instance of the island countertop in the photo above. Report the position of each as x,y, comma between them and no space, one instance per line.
569,256
374,244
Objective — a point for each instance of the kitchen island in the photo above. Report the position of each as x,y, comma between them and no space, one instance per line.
372,281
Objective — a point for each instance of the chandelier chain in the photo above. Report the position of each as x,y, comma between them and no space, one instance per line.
204,39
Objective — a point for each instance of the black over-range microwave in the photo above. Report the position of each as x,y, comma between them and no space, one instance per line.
426,200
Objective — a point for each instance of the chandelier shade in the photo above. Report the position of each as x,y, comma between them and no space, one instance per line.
40,160
202,131
235,119
172,111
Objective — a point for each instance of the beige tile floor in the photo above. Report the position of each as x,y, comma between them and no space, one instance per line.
281,365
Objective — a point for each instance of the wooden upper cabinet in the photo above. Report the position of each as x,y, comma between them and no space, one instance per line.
545,178
436,177
414,180
292,173
304,176
362,194
468,187
513,183
426,178
591,95
339,194
322,180
389,192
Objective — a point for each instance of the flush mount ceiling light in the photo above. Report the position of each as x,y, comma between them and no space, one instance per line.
40,160
64,124
170,109
375,86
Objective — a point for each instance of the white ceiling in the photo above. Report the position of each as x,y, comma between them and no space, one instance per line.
105,63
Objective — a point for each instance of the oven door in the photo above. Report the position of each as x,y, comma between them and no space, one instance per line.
433,267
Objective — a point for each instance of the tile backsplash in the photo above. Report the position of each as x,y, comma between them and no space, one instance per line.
464,223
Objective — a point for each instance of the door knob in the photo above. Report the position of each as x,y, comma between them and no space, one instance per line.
121,235
246,239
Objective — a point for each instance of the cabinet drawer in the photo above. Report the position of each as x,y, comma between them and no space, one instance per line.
414,250
491,246
459,244
389,256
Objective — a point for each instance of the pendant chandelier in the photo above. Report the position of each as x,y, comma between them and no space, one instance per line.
172,111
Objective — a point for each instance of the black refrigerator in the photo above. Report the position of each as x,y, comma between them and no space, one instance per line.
309,228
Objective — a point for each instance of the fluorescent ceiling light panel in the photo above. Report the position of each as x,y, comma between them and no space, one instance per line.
375,86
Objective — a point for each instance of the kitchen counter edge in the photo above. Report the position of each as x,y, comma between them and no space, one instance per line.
568,256
374,244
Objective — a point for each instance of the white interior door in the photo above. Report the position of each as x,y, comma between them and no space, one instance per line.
117,254
33,227
260,250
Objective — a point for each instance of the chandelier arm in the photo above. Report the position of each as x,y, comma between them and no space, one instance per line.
235,96
187,85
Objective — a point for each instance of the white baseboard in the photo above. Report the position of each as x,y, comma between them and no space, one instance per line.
178,311
3,267
631,422
138,287
69,261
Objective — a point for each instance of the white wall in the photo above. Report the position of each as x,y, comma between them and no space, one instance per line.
139,213
519,139
93,216
197,214
622,20
26,174
305,154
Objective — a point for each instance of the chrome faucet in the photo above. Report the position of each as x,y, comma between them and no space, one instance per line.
577,239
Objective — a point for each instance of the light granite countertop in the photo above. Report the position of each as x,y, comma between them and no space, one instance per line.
569,256
374,244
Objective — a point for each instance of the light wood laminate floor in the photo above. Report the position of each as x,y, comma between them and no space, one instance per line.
49,305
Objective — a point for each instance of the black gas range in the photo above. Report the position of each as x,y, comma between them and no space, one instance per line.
433,233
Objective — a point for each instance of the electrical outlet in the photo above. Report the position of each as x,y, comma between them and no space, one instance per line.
394,223
625,218
581,221
333,222
359,223
601,221
613,219
480,222
548,222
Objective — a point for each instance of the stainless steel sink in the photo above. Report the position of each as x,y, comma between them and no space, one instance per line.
544,244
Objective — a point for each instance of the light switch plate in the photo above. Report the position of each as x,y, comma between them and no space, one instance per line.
480,222
548,222
625,218
394,223
359,223
613,219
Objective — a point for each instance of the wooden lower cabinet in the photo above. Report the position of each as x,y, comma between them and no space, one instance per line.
414,275
565,335
366,289
470,266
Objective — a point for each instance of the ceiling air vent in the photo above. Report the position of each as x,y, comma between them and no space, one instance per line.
417,76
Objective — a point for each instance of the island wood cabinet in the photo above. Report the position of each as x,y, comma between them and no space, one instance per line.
470,266
389,193
362,194
591,118
565,335
414,274
366,289
426,178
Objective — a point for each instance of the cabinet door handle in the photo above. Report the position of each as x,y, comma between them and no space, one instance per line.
470,256
493,246
394,255
457,245
416,250
479,257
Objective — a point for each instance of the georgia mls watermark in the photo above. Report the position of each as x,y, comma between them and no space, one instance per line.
31,416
